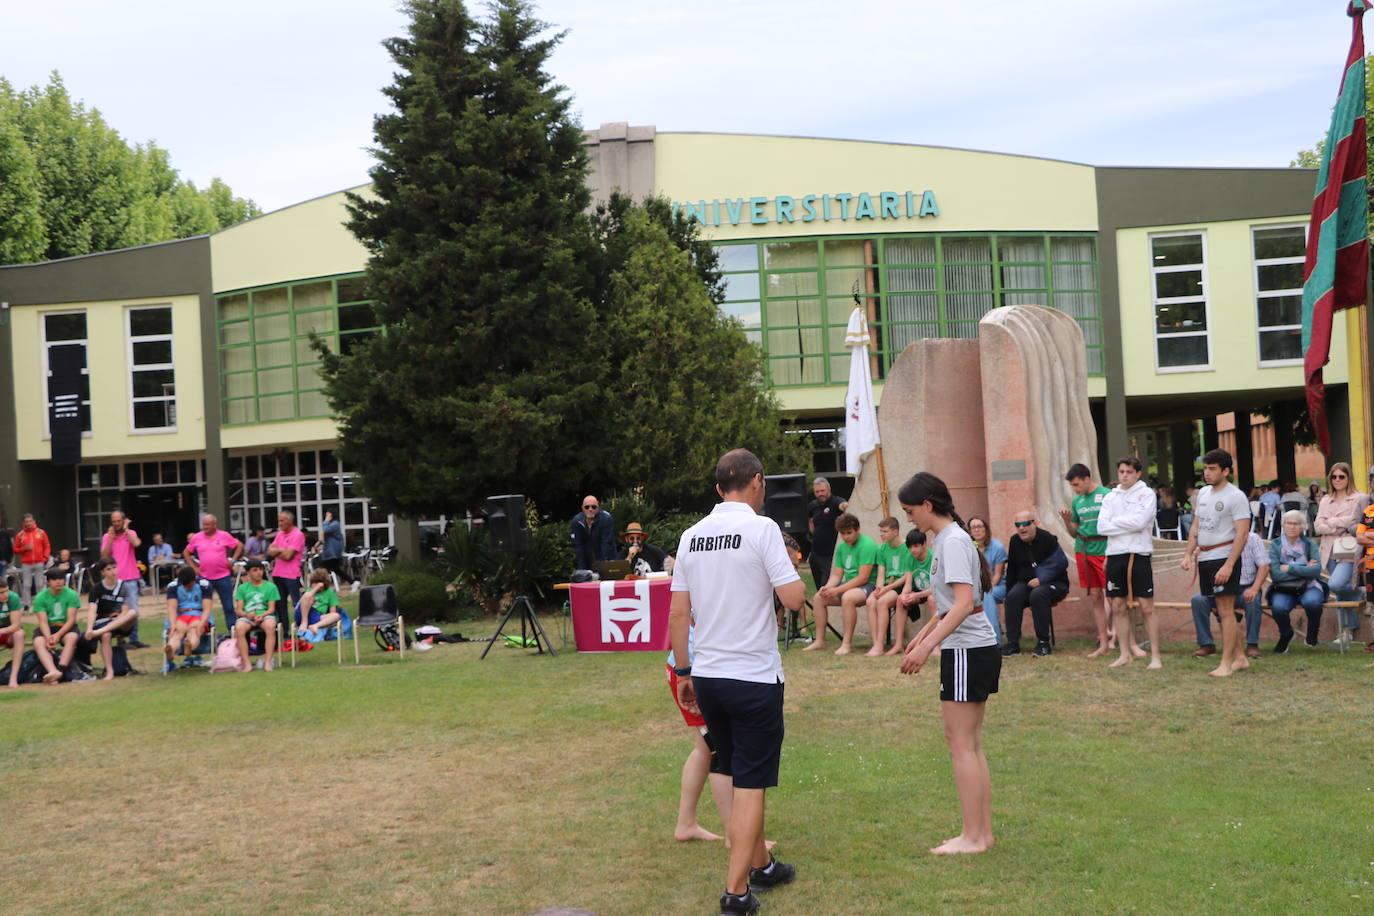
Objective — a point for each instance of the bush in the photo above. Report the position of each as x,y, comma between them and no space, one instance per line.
490,578
629,507
420,592
668,529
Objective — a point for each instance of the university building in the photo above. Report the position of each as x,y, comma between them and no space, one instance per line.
199,389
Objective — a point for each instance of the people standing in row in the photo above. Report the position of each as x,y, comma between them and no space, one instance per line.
32,550
1127,518
1338,518
1089,547
1038,576
1220,527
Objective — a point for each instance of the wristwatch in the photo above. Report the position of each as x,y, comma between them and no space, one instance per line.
683,672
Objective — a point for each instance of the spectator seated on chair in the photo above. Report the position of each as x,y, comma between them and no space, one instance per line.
256,603
319,608
1038,575
55,608
1168,517
1295,568
11,628
189,611
107,613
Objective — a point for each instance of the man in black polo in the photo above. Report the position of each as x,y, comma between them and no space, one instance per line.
1038,575
729,567
823,510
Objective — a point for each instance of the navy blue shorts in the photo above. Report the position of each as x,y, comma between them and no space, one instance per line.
745,722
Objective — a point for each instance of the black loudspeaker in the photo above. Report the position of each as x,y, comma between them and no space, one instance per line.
506,523
784,501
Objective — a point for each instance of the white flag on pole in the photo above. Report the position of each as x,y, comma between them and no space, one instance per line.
860,416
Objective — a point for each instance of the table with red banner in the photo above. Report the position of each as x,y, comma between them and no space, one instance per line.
627,615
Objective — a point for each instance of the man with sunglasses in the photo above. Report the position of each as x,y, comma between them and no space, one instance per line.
1037,575
593,535
644,557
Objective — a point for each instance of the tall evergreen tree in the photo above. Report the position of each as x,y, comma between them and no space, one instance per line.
479,255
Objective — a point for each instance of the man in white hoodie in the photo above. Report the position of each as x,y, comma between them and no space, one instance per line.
1127,519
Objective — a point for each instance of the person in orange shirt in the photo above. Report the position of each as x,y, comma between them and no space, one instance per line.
32,550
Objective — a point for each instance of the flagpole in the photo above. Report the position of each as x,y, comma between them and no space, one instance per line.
882,477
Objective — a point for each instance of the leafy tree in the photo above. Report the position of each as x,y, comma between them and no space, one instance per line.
608,225
479,255
85,189
686,381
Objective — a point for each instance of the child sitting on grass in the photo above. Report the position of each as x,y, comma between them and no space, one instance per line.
320,608
256,605
188,615
11,628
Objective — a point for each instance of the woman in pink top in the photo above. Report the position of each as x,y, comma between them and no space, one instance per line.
1340,513
286,552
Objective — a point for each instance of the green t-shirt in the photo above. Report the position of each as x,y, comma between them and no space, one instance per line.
326,601
11,606
1085,509
895,559
863,553
257,599
56,606
920,571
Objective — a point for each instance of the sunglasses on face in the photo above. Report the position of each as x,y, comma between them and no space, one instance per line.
1338,477
589,508
1024,524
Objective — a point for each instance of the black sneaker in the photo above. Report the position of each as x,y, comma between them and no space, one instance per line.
732,904
1311,643
1281,647
138,644
1042,649
1011,649
761,879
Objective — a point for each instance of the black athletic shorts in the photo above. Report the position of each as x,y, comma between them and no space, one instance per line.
745,722
1141,574
1206,569
969,675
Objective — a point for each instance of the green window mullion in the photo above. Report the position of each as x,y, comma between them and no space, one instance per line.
295,370
996,270
823,291
941,312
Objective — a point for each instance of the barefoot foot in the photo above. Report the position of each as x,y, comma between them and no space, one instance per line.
694,832
1099,651
895,650
843,650
1220,671
814,646
52,677
1120,662
1138,652
961,846
875,652
1154,665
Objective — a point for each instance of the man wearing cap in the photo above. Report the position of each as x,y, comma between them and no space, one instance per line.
644,557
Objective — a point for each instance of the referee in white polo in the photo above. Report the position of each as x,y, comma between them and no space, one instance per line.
729,565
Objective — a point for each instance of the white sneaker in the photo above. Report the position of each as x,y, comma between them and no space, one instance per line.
257,665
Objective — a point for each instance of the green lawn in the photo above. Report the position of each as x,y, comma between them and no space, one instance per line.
441,784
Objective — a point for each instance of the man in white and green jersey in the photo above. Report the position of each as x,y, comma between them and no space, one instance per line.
1090,548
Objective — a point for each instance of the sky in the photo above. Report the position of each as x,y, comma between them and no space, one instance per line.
277,98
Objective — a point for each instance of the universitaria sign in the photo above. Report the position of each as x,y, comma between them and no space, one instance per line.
810,208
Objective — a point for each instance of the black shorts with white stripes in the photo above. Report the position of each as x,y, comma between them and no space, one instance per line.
969,675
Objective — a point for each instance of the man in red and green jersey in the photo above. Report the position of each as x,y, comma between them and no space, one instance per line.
1090,548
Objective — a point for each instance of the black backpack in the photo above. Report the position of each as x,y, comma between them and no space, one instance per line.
30,670
389,637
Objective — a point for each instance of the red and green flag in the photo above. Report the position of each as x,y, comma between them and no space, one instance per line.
1336,272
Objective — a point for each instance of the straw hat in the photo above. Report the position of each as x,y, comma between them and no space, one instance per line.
634,528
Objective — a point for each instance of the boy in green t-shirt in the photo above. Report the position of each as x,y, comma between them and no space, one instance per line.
894,564
1089,547
11,628
55,607
255,602
915,587
320,604
853,577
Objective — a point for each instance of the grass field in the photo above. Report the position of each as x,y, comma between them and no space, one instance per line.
446,785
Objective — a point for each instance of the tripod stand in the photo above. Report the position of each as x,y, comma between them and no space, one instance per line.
792,629
528,623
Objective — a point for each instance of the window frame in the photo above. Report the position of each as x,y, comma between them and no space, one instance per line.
47,371
129,341
1255,265
1156,301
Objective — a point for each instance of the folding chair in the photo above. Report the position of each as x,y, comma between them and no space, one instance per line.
376,609
207,645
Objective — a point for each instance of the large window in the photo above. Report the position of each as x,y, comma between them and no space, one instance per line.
794,297
308,483
66,329
1178,283
152,376
268,368
1279,254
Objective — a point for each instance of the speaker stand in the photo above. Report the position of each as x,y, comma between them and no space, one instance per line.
529,622
793,631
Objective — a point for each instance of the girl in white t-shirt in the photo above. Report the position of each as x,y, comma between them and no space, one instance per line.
970,663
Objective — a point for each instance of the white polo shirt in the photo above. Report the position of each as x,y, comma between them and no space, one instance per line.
730,562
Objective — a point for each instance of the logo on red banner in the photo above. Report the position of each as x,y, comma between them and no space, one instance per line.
624,616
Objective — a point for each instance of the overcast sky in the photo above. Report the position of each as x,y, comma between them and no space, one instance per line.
277,98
